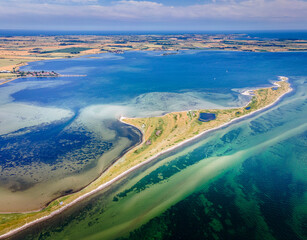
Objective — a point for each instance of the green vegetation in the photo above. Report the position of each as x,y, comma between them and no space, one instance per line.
72,50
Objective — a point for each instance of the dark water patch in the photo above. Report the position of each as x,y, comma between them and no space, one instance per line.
127,131
206,117
38,146
276,186
265,123
231,135
122,130
247,108
20,185
209,214
66,150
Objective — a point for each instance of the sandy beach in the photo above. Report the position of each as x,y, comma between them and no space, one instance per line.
104,185
7,81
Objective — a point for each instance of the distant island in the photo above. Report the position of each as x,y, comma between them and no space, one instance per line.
160,134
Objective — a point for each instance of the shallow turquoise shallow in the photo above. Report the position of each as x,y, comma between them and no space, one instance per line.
245,181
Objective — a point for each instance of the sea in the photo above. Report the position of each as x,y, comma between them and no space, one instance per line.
244,181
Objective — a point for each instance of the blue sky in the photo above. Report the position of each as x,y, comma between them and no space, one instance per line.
153,15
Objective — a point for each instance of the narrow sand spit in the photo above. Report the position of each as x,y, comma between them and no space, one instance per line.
104,185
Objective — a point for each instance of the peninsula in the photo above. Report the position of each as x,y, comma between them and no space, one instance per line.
160,134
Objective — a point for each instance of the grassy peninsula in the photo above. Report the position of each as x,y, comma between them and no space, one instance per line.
160,134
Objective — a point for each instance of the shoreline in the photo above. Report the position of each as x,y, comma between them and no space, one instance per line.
123,174
60,75
9,80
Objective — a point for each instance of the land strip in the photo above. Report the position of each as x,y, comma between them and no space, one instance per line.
160,134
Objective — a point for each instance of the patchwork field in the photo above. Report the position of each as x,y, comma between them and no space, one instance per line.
17,51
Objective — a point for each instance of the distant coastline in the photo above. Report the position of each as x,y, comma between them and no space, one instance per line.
72,46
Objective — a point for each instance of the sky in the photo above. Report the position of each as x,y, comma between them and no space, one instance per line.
153,15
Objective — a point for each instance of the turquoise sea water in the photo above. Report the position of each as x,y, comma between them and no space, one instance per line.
245,181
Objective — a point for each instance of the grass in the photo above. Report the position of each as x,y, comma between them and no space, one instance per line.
163,132
7,75
72,50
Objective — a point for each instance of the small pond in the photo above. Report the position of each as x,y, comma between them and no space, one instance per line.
206,117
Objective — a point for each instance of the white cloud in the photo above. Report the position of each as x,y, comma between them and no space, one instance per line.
51,1
90,11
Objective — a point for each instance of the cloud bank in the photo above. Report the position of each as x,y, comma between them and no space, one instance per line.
134,14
